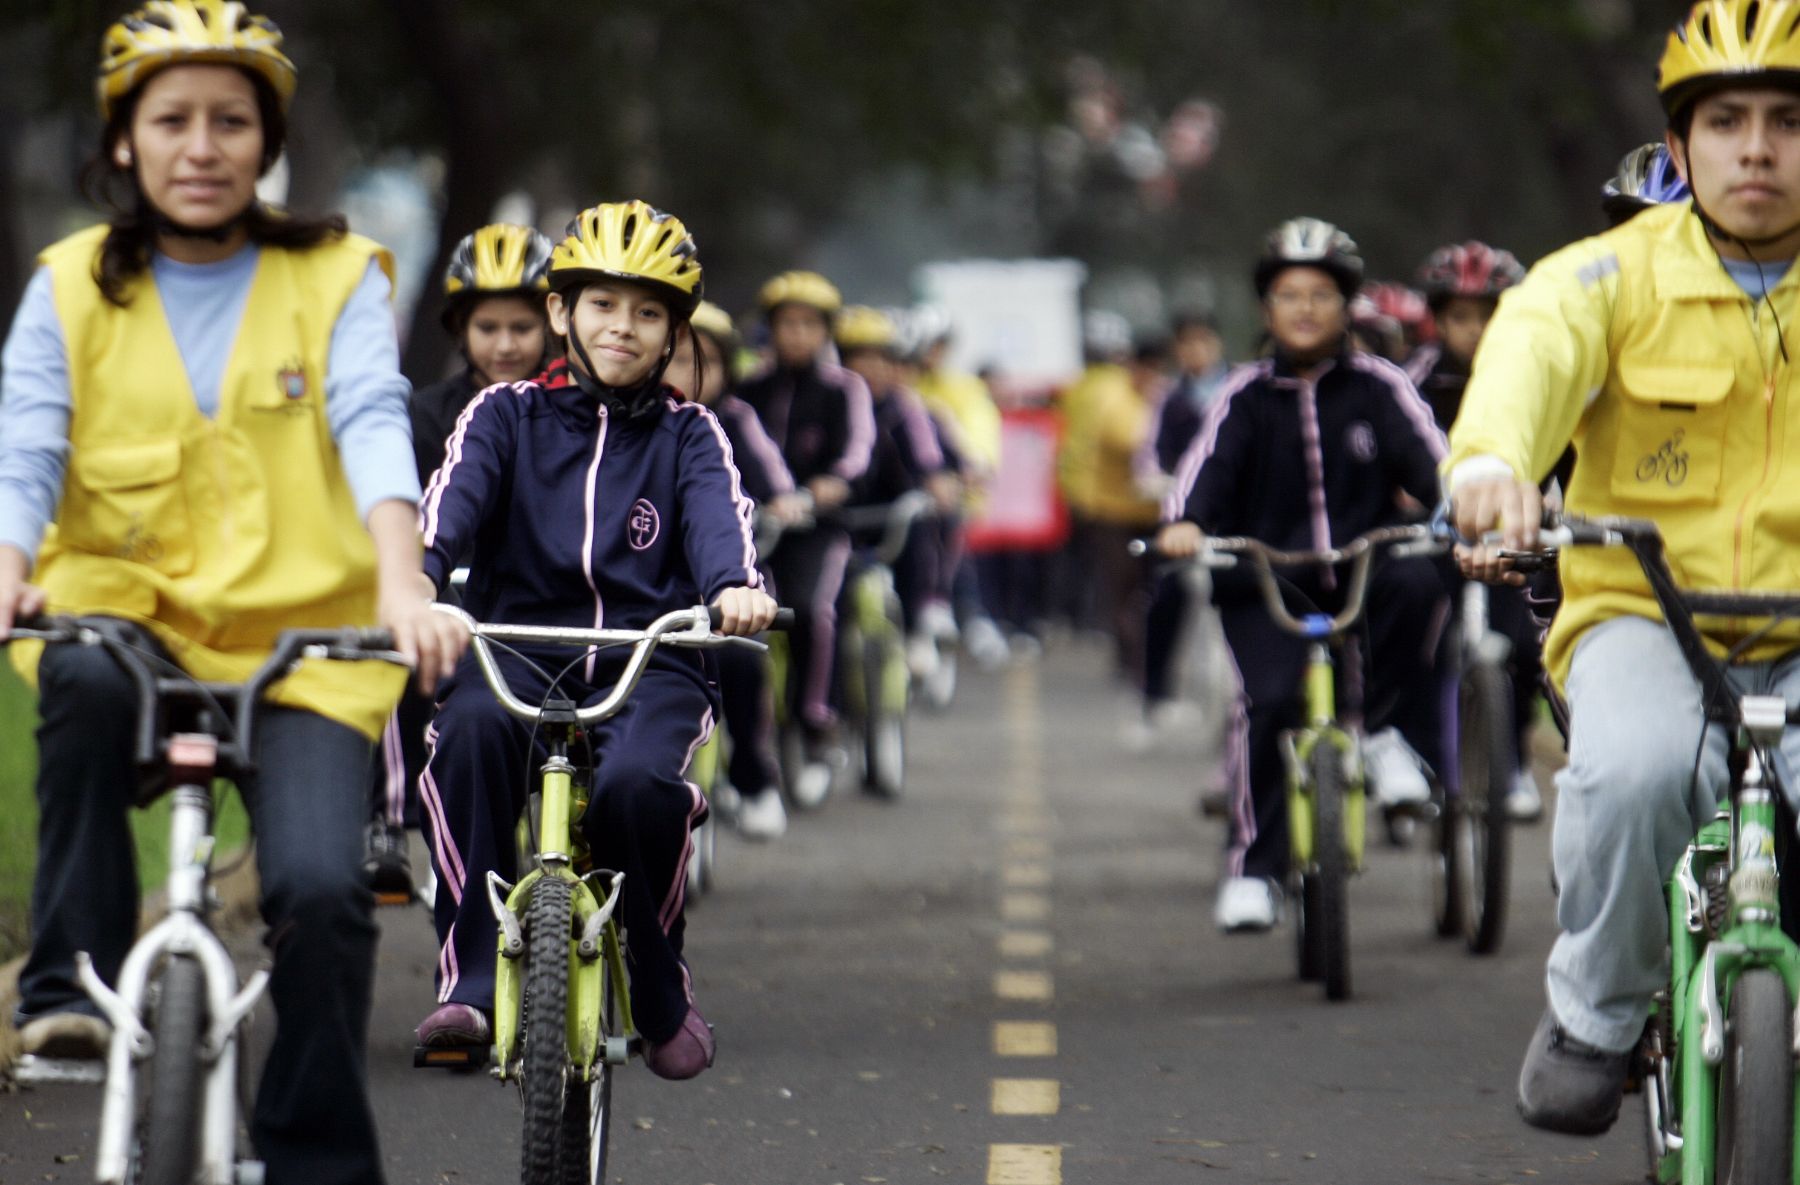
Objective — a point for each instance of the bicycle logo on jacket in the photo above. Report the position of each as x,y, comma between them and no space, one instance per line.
1668,463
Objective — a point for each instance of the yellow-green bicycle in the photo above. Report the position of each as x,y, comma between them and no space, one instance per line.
562,1000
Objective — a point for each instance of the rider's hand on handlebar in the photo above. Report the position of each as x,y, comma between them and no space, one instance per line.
828,491
1516,507
789,509
1179,541
17,597
431,641
745,611
946,490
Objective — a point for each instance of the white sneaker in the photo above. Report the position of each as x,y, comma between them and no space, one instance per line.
812,784
986,644
1137,735
1523,802
1396,776
1246,905
937,621
762,816
922,655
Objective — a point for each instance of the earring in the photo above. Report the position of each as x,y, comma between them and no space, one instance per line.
122,156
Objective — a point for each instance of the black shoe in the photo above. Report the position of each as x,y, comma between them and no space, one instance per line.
1568,1085
388,864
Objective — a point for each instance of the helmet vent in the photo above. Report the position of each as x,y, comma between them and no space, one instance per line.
1706,28
629,231
1750,15
1794,25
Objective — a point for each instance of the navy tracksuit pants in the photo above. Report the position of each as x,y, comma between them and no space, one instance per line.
1396,685
639,820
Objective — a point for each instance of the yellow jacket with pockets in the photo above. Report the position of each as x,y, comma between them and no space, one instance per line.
1642,349
216,534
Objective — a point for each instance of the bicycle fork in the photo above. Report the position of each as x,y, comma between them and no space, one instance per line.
1296,753
183,933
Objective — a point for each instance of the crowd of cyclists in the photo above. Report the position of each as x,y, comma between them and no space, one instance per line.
204,432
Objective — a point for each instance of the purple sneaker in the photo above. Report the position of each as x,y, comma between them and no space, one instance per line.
454,1026
685,1054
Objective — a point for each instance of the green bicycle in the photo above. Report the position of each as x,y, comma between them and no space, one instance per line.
1327,802
1717,1059
562,1000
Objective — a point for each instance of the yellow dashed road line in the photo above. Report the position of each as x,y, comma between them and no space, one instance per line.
1024,1038
1034,986
1024,1164
1024,907
1024,944
1026,1096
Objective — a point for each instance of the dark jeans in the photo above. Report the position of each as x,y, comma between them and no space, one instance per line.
308,806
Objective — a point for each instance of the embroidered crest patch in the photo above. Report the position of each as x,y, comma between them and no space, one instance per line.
643,525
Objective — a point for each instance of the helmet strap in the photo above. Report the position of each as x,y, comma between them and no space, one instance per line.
637,400
1716,234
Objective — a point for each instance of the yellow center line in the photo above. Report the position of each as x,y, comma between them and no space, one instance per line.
1025,944
1027,847
1024,1038
1026,876
1035,986
1026,1096
1024,1164
1024,907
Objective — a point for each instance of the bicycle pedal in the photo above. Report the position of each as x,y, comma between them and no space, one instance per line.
451,1057
31,1070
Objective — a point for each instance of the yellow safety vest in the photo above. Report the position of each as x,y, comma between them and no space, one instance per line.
216,534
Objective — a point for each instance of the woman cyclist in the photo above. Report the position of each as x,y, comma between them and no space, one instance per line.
205,436
588,496
494,290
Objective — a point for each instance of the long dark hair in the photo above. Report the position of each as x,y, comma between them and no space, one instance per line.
134,222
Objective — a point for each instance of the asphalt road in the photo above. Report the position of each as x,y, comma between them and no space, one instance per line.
1011,977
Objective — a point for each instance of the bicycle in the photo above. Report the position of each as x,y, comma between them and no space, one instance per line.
561,952
178,1005
1717,1058
1327,801
1474,831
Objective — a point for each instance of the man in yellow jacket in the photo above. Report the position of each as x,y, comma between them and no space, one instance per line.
1657,349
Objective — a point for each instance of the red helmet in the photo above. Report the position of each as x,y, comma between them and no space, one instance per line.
1468,269
1405,305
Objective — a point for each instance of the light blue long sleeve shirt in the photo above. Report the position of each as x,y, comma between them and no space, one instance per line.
365,393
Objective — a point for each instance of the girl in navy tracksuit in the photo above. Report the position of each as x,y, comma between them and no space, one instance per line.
590,497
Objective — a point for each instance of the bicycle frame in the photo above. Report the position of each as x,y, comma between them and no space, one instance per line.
1739,841
596,953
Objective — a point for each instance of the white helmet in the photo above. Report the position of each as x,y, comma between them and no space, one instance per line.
1310,242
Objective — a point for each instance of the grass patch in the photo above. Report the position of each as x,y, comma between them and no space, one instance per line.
18,806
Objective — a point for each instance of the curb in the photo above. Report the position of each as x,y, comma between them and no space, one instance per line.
238,895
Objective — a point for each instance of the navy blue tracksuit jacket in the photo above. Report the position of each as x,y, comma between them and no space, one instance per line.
570,514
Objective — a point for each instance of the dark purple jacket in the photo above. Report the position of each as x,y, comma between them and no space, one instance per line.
568,514
820,417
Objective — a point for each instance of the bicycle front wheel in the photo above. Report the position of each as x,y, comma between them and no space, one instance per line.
1331,869
169,1138
587,1111
1483,831
1754,1135
884,727
544,1076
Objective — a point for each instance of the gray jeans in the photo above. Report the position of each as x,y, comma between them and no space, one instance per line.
1627,805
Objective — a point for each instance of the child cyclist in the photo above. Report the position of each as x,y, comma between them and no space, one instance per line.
819,414
494,290
702,366
1307,449
588,497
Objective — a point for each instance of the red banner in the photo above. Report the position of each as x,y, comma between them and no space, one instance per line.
1024,511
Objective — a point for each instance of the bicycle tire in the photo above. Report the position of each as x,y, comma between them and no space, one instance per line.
1446,871
544,1074
1753,1133
1307,927
169,1138
1332,869
884,731
1483,827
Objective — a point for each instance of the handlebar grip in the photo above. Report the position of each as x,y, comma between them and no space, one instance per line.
784,618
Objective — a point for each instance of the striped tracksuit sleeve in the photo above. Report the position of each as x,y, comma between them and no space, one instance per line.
718,517
459,494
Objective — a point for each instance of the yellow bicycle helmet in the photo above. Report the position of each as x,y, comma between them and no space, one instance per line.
630,241
860,327
802,288
1729,43
499,259
717,324
177,32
